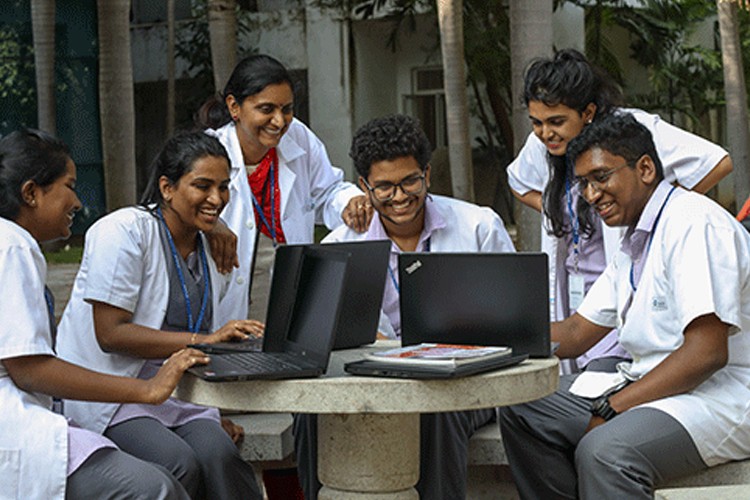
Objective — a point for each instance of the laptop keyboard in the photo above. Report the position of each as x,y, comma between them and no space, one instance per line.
256,362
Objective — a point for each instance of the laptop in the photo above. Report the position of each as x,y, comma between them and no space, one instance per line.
499,299
360,308
313,302
370,367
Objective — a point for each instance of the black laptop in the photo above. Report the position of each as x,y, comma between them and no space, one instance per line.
497,299
360,308
370,367
314,299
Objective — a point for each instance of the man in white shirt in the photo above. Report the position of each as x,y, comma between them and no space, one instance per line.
679,293
392,156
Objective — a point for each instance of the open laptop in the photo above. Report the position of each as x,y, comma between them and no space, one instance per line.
476,298
361,303
314,299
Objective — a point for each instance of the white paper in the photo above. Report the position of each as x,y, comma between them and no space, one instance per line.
595,384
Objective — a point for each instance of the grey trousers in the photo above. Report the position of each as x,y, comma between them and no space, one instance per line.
111,474
199,454
444,444
550,457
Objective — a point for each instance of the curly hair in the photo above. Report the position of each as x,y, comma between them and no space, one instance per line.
388,138
619,134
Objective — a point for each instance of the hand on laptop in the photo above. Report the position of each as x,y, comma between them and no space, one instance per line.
236,330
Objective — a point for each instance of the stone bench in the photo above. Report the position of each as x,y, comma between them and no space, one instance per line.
269,444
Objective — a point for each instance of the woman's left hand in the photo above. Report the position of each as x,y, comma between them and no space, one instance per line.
238,329
235,431
357,213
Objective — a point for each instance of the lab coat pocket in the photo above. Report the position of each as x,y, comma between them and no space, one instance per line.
10,473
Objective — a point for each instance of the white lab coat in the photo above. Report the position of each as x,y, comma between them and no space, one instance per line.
698,263
687,158
468,228
312,192
33,439
123,265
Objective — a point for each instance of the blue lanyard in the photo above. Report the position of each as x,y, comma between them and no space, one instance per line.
574,222
192,327
259,210
650,237
393,274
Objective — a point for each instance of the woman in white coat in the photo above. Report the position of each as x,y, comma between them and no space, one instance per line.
563,95
282,180
42,455
148,287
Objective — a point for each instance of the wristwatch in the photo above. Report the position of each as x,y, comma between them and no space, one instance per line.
601,408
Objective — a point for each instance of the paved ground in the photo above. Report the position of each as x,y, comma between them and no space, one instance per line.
60,280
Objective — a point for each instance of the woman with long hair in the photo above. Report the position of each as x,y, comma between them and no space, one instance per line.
42,455
148,287
563,95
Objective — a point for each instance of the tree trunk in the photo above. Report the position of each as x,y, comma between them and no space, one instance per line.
43,27
170,69
530,37
450,17
736,98
116,102
222,29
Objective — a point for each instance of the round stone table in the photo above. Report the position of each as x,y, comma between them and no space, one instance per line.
368,427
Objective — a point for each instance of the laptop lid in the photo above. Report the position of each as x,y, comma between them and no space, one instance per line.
316,313
476,298
379,369
281,296
363,288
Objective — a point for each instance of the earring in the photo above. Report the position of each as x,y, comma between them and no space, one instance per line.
588,122
235,118
32,203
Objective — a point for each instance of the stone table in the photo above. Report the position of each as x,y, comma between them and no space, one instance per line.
368,427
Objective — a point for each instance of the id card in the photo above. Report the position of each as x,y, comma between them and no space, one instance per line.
575,291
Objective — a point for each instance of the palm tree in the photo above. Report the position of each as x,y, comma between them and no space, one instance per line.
222,27
530,37
450,18
736,96
116,102
43,27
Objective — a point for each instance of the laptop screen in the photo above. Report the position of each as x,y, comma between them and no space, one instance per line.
316,311
477,298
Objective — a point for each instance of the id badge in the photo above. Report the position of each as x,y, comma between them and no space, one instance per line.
575,291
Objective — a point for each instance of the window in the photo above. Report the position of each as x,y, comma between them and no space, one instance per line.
427,103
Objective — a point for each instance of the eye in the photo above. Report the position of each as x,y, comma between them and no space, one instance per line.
288,110
411,181
266,109
202,186
556,122
601,176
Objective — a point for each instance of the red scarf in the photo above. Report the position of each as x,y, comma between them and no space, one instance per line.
260,185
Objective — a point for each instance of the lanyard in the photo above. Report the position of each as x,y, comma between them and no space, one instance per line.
259,209
393,274
192,327
650,237
574,223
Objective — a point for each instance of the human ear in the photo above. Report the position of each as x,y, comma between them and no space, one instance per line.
427,176
233,106
166,188
646,169
589,113
362,184
28,193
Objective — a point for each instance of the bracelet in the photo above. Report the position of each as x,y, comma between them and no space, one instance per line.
192,338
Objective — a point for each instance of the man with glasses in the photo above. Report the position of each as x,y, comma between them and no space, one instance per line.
679,292
392,156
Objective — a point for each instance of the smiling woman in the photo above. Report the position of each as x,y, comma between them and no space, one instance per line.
148,286
37,204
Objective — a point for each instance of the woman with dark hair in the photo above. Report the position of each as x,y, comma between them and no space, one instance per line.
41,454
564,94
148,287
282,180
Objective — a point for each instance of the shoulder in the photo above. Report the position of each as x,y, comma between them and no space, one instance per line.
463,210
131,222
13,235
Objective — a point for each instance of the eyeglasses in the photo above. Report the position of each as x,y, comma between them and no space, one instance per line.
387,190
598,179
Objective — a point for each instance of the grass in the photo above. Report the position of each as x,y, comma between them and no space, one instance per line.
67,254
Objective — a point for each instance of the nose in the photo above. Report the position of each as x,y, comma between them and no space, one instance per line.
591,193
214,196
278,118
400,194
77,205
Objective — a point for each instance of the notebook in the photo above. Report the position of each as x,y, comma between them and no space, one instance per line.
313,302
360,308
499,299
370,367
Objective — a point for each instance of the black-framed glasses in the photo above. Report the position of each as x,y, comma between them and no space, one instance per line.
414,184
598,179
